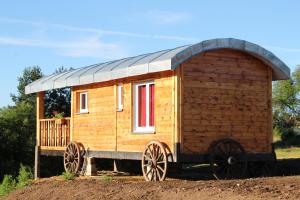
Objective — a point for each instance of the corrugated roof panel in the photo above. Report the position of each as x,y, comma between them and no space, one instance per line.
147,59
49,83
103,74
142,65
155,62
74,79
132,61
113,65
62,80
163,61
88,76
37,85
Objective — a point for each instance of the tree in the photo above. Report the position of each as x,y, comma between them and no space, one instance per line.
29,75
58,100
18,122
18,126
286,105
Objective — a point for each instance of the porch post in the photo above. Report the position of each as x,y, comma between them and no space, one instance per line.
39,115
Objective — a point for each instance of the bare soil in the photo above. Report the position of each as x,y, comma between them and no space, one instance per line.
132,187
191,183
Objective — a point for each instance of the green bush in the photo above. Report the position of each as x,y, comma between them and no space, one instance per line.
59,115
25,176
68,175
287,133
8,184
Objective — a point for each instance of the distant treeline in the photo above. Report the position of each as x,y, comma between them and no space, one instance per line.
18,122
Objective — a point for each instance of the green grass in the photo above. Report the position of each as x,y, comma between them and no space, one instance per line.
68,176
106,178
286,149
287,153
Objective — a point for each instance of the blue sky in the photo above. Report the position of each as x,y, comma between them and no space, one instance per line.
56,33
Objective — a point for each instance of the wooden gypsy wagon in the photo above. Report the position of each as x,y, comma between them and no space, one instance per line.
204,103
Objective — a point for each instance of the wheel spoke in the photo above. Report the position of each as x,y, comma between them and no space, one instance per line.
154,152
160,156
147,157
158,153
160,168
151,152
159,176
147,164
152,175
148,172
72,148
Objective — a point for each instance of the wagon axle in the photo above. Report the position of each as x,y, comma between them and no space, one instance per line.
231,160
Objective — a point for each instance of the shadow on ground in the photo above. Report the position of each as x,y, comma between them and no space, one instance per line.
284,167
52,166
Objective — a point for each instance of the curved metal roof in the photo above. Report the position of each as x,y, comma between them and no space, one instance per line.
155,62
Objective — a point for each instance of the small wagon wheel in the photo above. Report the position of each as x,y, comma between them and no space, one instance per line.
154,162
228,159
72,157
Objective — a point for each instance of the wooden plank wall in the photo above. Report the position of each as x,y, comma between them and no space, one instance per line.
226,94
103,128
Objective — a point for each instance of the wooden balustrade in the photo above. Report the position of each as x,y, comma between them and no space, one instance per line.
54,133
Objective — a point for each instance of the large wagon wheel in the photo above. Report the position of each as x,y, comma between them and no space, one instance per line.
228,159
72,157
154,162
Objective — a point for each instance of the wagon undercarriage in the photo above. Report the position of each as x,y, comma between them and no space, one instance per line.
227,159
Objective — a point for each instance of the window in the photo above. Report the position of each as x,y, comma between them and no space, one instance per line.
83,102
119,97
144,107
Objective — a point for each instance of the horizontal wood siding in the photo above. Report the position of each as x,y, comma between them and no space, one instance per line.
225,95
95,130
105,129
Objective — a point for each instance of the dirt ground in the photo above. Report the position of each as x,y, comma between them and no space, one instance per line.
135,188
192,184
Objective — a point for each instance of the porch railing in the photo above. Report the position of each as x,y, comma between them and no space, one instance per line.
54,133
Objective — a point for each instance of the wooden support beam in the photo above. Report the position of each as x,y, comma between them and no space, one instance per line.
39,115
37,162
116,166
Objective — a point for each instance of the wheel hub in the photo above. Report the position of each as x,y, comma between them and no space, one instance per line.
231,160
153,163
71,157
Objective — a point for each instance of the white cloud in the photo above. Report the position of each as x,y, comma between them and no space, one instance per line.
85,47
163,17
92,47
89,44
17,41
167,17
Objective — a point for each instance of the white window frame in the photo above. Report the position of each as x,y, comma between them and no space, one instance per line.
119,97
81,110
147,128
